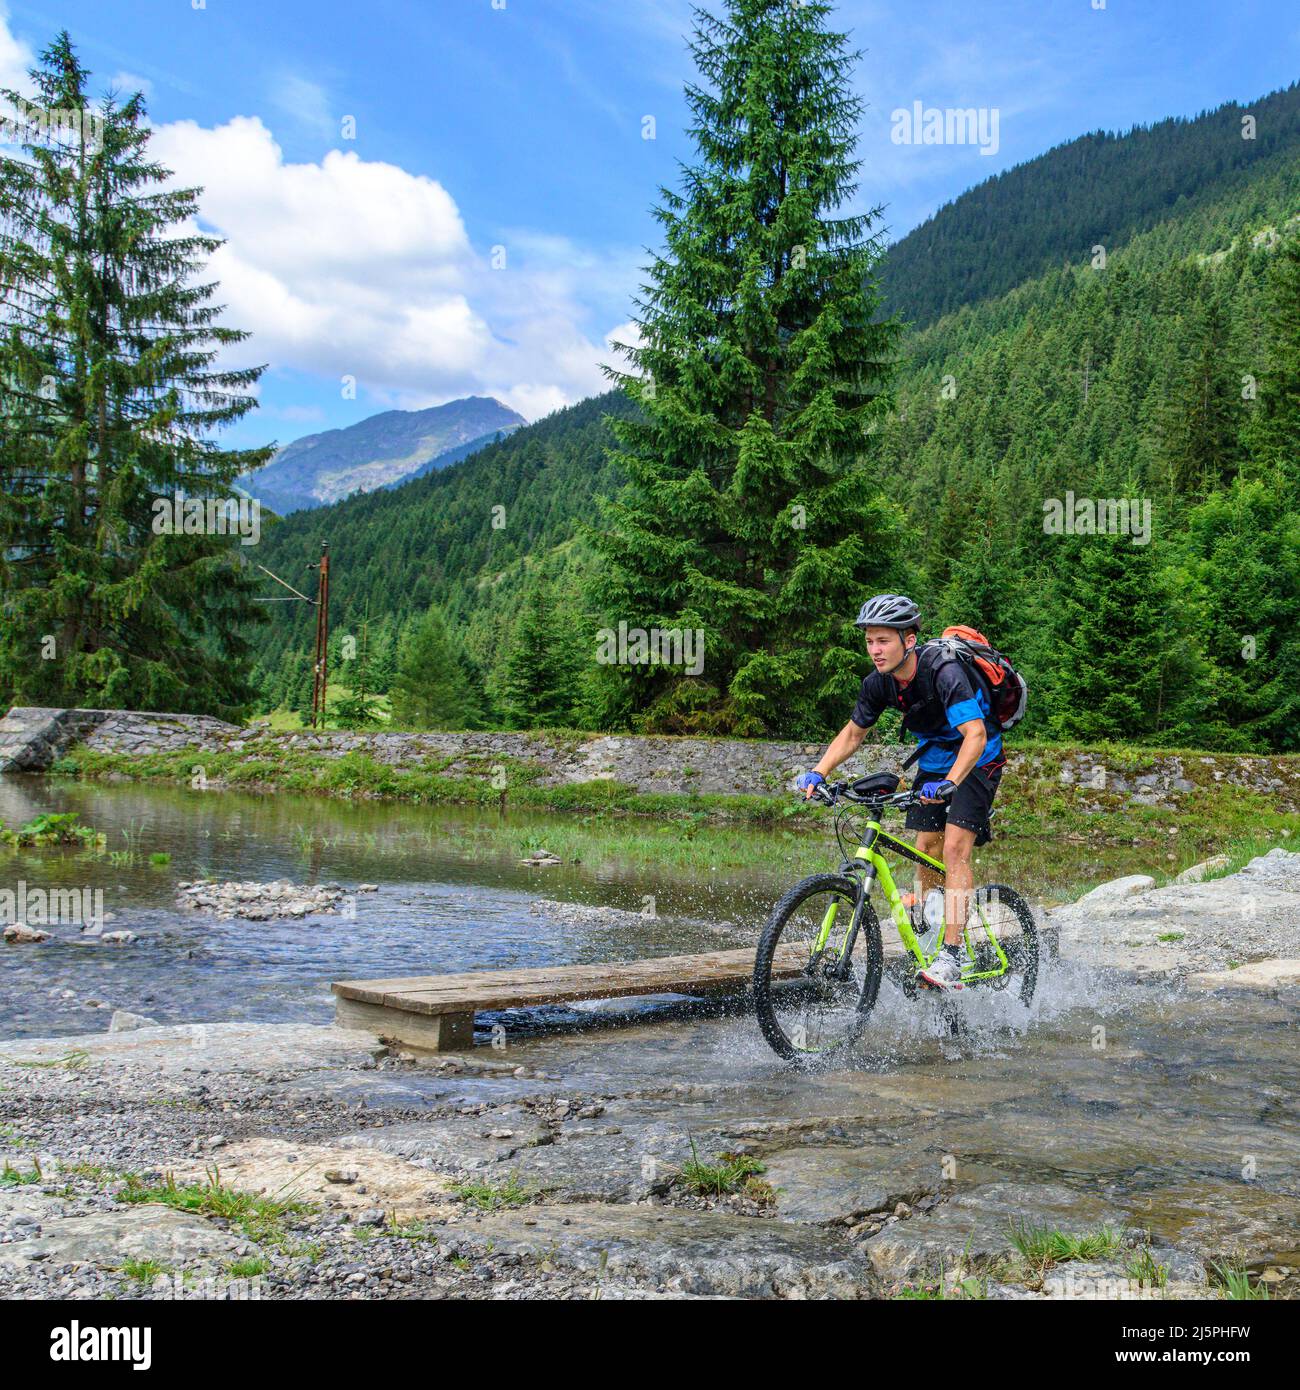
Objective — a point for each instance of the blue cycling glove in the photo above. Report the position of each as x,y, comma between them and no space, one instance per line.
938,791
806,781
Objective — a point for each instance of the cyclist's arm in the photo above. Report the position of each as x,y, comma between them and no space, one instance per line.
974,739
842,746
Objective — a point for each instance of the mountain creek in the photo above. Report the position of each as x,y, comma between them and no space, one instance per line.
1145,1102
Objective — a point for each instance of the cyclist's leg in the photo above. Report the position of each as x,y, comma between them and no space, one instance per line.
958,842
968,813
928,822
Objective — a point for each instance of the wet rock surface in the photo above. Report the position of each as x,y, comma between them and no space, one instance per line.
1137,1099
557,1168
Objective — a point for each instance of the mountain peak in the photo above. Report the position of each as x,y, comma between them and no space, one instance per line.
379,451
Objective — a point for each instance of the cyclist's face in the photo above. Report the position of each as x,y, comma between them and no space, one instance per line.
885,646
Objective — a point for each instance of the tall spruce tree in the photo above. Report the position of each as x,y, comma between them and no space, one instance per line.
537,683
1124,663
107,352
752,512
434,687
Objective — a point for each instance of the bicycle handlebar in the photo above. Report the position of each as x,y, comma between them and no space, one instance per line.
831,792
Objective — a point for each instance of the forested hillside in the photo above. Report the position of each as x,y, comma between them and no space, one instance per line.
1099,190
436,539
1122,382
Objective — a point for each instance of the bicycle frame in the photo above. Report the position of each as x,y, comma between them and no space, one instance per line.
875,866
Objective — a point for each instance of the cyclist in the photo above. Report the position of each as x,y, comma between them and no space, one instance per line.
960,755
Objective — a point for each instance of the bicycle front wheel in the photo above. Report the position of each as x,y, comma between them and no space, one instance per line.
811,994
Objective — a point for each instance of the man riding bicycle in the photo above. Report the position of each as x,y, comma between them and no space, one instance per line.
960,755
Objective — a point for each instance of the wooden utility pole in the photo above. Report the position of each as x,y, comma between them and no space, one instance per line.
320,671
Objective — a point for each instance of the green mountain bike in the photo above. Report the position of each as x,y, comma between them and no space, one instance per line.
820,958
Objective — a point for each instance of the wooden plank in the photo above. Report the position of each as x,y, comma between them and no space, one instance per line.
439,1033
503,989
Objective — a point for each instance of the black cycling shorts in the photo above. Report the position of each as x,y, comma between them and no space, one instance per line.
969,806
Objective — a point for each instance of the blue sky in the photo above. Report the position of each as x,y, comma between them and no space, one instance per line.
483,231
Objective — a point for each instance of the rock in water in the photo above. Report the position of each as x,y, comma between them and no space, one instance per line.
20,933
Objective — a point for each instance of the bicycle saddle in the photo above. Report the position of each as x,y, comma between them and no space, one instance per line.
878,784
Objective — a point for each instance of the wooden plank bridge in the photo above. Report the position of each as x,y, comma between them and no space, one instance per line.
436,1012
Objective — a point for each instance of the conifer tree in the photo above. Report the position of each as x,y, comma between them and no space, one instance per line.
107,352
1124,662
752,513
433,688
537,685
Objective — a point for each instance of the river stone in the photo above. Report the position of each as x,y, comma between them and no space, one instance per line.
178,1239
974,1227
1261,974
821,1185
458,1142
694,1252
1119,888
1198,871
123,1021
21,934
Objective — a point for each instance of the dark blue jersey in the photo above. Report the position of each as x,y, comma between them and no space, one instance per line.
934,702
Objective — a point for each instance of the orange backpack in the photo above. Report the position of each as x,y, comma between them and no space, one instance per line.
1007,691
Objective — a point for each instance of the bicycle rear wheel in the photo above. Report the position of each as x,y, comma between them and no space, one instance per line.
809,999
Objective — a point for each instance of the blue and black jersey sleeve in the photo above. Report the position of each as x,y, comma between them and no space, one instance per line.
872,701
957,694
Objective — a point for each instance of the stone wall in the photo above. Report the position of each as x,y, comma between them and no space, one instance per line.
31,739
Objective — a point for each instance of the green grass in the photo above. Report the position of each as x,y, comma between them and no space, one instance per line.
248,1268
730,1173
76,1058
1233,1282
1042,1246
11,1177
261,1218
492,1196
144,1271
1143,1267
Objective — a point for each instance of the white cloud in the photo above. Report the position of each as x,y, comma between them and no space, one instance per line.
360,268
15,58
127,84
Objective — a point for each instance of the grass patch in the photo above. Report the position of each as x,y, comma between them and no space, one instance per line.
248,1268
78,1057
730,1173
1143,1267
144,1271
1043,1246
1234,1282
261,1218
488,1196
1171,936
11,1177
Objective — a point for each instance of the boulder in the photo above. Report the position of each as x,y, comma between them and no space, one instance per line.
123,1021
1198,871
1119,888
